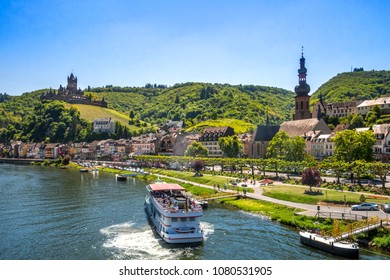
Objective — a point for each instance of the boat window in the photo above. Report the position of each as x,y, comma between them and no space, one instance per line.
174,219
183,219
192,219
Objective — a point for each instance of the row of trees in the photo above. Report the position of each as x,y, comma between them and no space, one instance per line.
353,170
350,145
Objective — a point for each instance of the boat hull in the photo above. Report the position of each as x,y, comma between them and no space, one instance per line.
121,178
337,248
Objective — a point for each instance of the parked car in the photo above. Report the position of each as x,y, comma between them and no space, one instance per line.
386,208
365,206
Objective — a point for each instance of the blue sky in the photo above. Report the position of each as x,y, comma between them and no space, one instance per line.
131,42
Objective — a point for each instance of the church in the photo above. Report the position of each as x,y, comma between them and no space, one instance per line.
303,124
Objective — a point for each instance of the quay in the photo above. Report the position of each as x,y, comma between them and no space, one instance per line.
22,160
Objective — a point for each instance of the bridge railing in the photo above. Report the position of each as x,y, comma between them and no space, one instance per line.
359,227
342,216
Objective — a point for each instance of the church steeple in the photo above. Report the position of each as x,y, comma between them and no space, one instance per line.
303,88
302,99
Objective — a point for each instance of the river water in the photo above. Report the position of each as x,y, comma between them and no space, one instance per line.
48,213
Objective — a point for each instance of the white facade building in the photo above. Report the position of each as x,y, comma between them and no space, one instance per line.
103,125
366,106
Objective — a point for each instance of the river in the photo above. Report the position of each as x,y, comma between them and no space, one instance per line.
49,213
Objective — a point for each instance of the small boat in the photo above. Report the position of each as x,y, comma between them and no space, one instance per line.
120,177
83,170
203,203
329,244
174,215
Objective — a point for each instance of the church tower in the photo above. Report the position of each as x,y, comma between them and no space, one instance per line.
302,99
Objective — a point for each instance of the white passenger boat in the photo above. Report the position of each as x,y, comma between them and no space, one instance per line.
329,244
175,216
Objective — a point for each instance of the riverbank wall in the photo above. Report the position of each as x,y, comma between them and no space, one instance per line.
25,161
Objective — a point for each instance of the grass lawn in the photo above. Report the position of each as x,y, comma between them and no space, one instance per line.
206,179
295,194
280,213
89,113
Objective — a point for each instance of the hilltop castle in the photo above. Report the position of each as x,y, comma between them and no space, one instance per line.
71,94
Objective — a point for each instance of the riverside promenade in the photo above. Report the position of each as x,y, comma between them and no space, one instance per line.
307,209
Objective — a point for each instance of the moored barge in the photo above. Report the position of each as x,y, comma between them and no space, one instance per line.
329,244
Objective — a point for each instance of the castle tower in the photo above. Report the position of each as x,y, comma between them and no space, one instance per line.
72,84
302,99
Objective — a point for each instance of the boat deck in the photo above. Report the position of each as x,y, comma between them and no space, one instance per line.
176,202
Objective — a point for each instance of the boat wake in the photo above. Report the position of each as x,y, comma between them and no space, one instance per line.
129,241
208,229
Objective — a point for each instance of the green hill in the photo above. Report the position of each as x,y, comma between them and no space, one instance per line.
197,102
28,118
359,85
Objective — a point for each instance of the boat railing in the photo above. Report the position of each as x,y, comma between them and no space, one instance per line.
170,207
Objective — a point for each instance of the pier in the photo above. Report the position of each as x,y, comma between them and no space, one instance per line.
356,228
360,227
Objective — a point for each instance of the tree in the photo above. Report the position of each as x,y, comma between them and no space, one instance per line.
196,149
337,166
311,177
358,168
198,166
131,115
295,149
381,170
352,145
262,165
277,145
230,146
275,164
283,147
373,115
357,121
